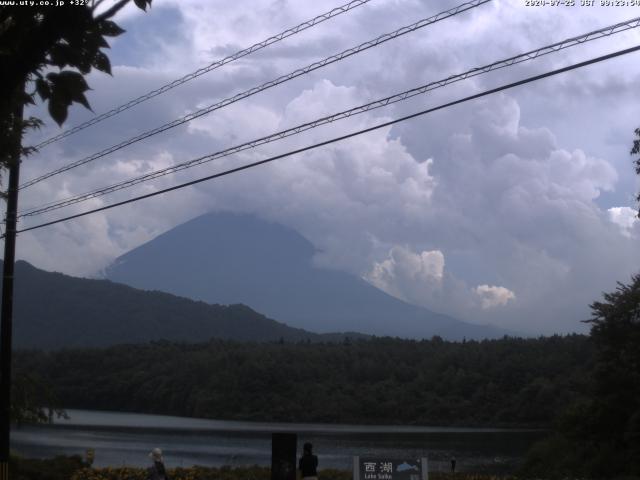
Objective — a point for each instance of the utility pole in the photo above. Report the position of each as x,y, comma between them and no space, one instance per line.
6,312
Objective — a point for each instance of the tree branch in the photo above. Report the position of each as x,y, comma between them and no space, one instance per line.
112,11
95,4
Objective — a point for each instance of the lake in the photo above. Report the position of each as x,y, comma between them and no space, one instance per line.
126,439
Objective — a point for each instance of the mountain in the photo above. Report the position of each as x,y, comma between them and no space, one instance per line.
52,310
232,258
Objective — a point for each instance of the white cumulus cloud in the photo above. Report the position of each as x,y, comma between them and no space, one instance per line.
624,217
492,296
404,269
520,189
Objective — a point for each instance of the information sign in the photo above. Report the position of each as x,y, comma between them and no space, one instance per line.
379,468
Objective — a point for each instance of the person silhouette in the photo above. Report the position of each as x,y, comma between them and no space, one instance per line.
308,464
453,464
157,470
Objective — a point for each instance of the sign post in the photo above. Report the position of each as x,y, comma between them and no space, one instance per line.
283,456
378,468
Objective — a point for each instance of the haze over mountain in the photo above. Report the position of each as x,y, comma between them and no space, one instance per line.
232,258
53,310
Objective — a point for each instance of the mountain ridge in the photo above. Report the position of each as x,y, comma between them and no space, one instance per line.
53,310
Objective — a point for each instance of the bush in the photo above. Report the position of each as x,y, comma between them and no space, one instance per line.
240,473
58,468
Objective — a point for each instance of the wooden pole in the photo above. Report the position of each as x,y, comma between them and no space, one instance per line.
6,310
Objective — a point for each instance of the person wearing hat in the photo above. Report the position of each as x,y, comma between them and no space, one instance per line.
308,464
157,470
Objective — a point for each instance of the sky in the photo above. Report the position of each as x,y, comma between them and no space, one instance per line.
516,209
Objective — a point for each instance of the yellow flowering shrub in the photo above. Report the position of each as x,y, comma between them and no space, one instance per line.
240,473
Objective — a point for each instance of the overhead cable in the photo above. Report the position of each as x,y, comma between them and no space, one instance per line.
252,91
340,138
398,97
217,64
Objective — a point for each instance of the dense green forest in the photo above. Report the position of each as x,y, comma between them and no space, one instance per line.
506,382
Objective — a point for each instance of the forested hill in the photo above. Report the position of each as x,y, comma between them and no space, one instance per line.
507,382
52,310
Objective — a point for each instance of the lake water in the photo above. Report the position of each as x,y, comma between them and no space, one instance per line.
126,439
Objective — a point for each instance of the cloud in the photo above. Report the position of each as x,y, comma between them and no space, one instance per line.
511,207
423,271
519,191
492,296
420,278
624,217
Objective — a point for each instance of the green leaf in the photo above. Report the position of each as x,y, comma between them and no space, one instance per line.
110,29
66,87
83,64
58,111
75,85
142,4
32,123
43,89
72,80
59,56
100,41
102,63
80,98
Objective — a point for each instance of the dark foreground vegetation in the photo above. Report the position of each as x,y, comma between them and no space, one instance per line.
73,468
507,382
599,436
587,389
58,468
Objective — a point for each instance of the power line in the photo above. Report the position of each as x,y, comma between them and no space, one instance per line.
343,137
217,64
252,91
398,97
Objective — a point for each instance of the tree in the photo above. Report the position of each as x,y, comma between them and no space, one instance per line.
615,412
599,436
635,150
33,400
36,40
45,50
